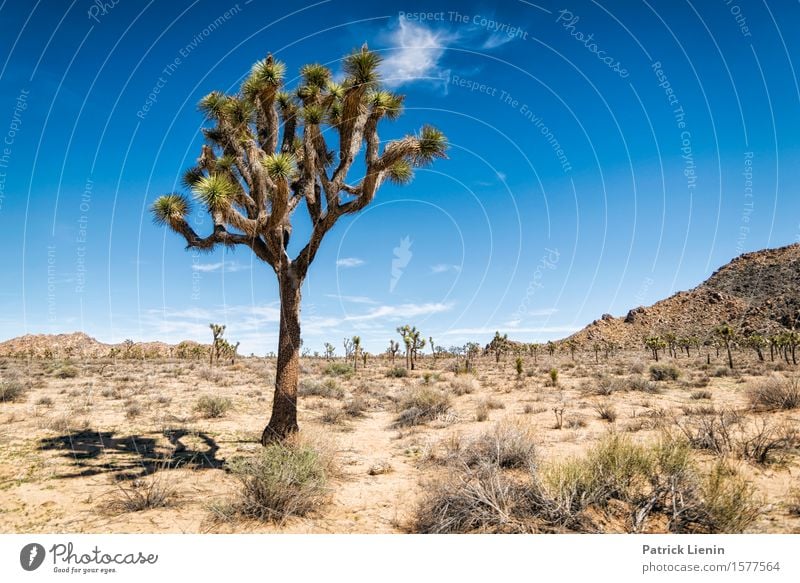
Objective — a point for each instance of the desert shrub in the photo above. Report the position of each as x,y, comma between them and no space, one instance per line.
768,443
213,406
492,404
553,374
465,385
721,371
144,493
420,405
132,410
11,390
481,412
475,501
643,385
332,416
605,385
793,504
606,412
637,367
714,432
697,395
355,407
664,372
45,401
728,501
775,394
282,480
506,445
329,389
66,372
397,372
339,369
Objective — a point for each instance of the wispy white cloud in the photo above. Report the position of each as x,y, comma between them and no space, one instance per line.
349,262
227,267
415,54
352,299
444,268
495,40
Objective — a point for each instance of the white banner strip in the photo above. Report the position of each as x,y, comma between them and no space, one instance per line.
406,558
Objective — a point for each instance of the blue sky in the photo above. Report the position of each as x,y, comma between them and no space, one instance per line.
603,155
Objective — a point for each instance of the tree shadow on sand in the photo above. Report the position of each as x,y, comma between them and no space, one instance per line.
134,456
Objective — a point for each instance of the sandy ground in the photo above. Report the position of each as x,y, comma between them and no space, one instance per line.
65,444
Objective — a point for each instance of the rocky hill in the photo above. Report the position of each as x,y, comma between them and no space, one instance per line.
80,345
755,293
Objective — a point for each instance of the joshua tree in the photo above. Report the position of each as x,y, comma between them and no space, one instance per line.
757,343
268,151
356,341
499,345
726,335
348,347
217,330
471,352
394,348
433,348
329,350
533,348
551,347
413,341
654,343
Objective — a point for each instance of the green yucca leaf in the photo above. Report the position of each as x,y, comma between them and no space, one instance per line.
237,111
316,75
214,191
192,176
432,144
387,103
169,208
285,100
361,66
280,166
213,104
225,163
269,71
335,89
313,114
401,172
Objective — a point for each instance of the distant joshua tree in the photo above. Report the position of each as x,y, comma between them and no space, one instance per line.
726,335
356,341
413,341
394,348
655,343
270,153
329,350
757,343
217,330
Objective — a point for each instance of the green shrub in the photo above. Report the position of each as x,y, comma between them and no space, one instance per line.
397,372
66,372
664,372
212,406
339,369
282,480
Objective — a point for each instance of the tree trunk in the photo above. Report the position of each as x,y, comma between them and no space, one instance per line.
730,356
283,421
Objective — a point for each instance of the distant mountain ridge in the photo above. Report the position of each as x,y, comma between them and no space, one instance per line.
81,345
757,292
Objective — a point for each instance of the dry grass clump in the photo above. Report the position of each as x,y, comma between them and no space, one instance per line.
355,407
618,484
664,372
508,444
420,405
332,416
135,495
339,369
66,372
606,412
328,389
213,406
475,501
397,372
12,390
464,385
282,480
775,394
698,395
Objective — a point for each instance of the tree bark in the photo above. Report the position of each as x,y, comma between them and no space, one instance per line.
283,421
